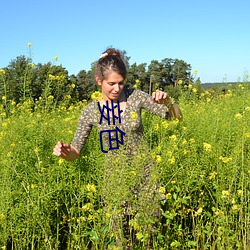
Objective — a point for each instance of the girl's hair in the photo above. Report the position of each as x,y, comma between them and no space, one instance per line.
110,60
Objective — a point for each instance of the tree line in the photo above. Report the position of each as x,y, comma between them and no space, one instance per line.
22,79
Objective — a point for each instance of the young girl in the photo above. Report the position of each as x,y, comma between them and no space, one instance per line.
110,74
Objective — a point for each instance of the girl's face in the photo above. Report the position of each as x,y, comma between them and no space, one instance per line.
112,86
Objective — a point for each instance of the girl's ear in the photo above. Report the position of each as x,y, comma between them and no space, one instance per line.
98,80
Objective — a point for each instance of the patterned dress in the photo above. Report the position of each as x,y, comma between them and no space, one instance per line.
131,121
130,183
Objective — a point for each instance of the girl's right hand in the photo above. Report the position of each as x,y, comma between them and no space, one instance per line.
61,149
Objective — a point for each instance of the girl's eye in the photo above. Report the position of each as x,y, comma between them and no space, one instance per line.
112,83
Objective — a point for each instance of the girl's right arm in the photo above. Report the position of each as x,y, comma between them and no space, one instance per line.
66,151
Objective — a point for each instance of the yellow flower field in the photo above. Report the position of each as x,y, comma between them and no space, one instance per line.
202,165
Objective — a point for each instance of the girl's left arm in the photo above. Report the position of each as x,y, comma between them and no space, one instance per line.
159,104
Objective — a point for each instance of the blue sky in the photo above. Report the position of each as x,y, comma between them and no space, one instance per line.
212,36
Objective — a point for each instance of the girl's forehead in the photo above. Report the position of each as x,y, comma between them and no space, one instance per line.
112,75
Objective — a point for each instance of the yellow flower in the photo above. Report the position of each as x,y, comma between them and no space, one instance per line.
225,159
51,77
198,212
50,97
156,127
108,215
194,90
96,96
171,160
173,137
87,207
218,212
2,72
212,175
37,149
2,217
3,97
225,193
162,190
73,85
175,122
207,147
246,108
235,207
29,44
239,192
180,82
137,80
238,116
195,71
61,161
190,86
135,86
4,124
133,173
133,116
158,159
91,188
168,196
164,124
191,140
90,217
56,58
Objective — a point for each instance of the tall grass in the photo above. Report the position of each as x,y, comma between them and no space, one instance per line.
202,164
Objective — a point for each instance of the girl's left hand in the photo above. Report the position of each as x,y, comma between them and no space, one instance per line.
161,97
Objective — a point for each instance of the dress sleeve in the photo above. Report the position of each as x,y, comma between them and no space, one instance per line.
84,127
151,106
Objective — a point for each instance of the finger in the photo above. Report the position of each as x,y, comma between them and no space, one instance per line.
165,96
159,96
156,96
153,95
58,148
56,152
65,145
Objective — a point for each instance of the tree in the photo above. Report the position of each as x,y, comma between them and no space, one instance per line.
18,79
86,84
181,71
50,79
137,74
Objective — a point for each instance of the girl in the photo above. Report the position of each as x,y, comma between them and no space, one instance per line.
110,74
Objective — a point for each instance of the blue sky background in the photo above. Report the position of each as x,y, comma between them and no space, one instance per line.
212,36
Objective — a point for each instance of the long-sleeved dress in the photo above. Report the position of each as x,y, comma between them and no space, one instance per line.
128,179
131,120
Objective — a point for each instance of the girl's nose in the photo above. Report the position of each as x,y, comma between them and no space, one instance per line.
116,87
